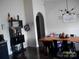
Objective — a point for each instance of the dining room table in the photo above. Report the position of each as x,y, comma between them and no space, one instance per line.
47,40
51,39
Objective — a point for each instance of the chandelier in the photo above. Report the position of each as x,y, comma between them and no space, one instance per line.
68,15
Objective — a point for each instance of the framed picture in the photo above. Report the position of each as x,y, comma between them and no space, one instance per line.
15,24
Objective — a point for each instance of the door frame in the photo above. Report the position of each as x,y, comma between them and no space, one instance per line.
41,19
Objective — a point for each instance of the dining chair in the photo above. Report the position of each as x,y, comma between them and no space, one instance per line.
47,47
65,46
55,48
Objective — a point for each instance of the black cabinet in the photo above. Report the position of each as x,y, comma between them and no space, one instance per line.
3,51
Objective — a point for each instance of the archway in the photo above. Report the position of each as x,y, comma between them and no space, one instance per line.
40,27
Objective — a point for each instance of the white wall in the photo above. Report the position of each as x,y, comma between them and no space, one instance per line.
27,10
31,42
56,24
32,7
38,6
14,7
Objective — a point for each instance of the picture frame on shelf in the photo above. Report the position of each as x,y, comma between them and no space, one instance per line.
16,23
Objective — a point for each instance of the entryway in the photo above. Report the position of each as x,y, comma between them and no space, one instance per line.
40,26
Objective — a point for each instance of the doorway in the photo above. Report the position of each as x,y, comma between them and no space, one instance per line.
40,26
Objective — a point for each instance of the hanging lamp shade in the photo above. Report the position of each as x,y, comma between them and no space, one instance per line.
69,18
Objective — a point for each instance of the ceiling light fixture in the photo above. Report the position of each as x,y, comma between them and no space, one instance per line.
68,15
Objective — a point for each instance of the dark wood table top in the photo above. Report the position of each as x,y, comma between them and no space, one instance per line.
71,39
